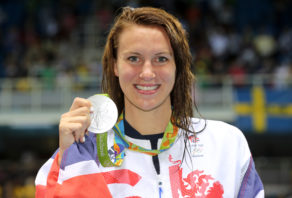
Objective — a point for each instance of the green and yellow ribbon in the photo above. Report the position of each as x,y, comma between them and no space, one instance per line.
120,143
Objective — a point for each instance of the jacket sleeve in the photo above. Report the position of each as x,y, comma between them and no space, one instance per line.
251,185
49,185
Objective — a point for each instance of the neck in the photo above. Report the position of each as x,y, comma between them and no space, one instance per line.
148,122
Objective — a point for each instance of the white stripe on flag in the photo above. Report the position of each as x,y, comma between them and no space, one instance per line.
41,178
78,169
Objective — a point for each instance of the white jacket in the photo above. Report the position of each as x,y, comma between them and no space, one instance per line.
217,163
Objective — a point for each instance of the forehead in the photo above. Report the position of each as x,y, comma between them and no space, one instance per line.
143,36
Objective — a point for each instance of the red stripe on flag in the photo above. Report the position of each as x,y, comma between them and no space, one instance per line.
123,176
84,186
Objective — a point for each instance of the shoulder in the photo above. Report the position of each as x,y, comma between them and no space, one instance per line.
221,136
216,128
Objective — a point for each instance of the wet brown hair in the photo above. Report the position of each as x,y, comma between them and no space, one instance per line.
181,100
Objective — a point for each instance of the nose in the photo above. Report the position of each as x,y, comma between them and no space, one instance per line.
147,72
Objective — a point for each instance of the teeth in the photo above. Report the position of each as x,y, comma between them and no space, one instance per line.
147,88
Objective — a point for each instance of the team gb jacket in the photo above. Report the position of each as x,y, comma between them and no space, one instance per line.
217,163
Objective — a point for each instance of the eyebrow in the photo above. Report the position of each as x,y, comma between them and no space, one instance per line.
170,53
131,53
159,53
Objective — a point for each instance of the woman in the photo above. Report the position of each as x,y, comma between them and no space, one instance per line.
156,148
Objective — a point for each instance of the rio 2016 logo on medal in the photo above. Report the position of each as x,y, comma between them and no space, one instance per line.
104,113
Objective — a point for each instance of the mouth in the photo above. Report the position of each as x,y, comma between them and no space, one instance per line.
147,87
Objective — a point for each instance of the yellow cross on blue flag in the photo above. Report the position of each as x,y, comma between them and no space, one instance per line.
262,110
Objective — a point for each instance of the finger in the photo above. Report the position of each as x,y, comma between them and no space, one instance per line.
70,133
70,128
75,127
76,131
79,136
84,120
82,139
87,132
80,102
76,139
81,111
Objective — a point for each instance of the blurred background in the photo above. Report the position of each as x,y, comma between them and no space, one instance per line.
50,52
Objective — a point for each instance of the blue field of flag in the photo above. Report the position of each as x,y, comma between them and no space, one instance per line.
263,110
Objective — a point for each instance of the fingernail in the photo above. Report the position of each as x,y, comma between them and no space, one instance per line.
83,139
91,109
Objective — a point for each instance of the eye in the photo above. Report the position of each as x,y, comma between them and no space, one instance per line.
133,59
162,59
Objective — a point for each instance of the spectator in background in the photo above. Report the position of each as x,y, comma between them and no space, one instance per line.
237,73
265,44
283,75
218,41
285,44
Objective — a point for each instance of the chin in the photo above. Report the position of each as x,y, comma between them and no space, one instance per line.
147,109
148,106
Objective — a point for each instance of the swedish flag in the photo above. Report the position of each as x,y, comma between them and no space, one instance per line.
263,109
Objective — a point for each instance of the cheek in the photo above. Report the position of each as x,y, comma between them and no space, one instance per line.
168,76
126,81
125,75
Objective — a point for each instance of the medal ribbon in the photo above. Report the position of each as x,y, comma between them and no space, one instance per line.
120,143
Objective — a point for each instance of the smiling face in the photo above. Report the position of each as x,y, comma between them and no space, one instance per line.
145,67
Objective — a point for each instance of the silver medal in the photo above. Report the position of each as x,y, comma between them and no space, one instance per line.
104,114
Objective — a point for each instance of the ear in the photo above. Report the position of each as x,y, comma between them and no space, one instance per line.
116,69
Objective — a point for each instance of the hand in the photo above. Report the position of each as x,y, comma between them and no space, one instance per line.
73,124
